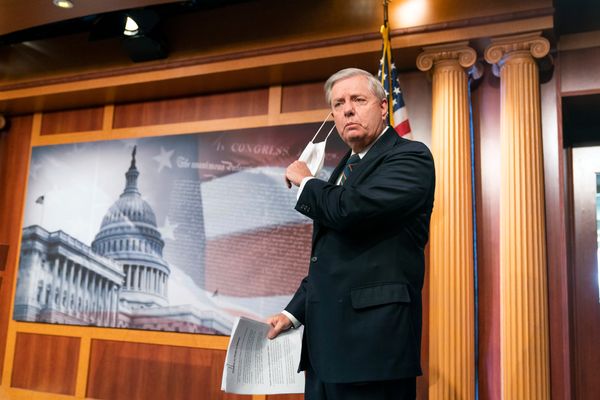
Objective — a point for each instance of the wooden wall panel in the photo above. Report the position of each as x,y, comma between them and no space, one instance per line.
130,371
308,96
486,111
423,380
3,255
571,77
82,120
200,108
556,243
14,157
286,397
45,363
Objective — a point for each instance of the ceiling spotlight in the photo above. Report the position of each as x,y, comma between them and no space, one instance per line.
63,3
131,27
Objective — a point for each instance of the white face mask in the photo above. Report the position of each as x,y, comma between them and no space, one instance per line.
314,153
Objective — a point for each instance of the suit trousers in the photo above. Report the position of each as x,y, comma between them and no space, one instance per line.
398,389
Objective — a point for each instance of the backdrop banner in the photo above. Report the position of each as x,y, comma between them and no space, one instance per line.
174,233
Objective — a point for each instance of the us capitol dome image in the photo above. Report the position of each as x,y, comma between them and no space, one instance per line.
120,281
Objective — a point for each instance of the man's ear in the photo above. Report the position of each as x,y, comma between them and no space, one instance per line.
384,109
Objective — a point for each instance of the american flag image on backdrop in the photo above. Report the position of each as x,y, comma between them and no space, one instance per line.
388,76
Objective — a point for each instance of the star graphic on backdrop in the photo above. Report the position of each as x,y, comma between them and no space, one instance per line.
164,158
168,230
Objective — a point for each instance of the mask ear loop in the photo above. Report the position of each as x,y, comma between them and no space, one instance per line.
321,127
331,130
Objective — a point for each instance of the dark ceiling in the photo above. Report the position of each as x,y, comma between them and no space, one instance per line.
18,25
576,16
97,24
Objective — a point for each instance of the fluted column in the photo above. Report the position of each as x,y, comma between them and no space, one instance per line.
55,282
523,290
165,286
115,305
78,290
86,295
451,315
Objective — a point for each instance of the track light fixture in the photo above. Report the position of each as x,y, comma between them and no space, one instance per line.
139,31
63,3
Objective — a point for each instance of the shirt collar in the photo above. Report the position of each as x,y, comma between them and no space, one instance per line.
366,149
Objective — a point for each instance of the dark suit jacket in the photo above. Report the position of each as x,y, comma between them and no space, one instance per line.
361,301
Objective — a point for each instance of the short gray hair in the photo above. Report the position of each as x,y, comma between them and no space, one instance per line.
374,84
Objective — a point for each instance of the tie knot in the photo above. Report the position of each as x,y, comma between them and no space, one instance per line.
353,159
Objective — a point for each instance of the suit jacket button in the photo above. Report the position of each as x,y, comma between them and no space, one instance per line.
313,259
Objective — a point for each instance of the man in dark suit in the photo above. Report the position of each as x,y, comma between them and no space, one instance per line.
361,301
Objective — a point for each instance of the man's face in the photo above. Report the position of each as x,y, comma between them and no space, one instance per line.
359,116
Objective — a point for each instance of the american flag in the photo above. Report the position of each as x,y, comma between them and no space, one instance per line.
388,76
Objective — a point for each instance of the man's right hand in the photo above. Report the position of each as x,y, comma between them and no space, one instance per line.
295,172
279,323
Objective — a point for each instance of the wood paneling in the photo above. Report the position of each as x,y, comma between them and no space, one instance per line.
200,108
3,255
86,119
265,24
556,243
286,397
423,381
486,113
130,371
584,267
45,363
14,157
571,64
309,96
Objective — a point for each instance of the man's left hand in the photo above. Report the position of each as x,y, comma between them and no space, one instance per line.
295,172
279,323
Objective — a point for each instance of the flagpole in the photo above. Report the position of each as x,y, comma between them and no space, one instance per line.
385,12
388,76
388,56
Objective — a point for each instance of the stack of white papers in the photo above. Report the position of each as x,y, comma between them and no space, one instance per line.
257,365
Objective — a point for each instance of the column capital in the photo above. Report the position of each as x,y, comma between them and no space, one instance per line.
530,44
459,51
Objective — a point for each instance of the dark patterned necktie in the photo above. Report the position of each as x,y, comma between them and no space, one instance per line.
352,161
